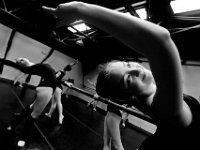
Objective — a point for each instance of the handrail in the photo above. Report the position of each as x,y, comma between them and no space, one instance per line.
106,101
94,96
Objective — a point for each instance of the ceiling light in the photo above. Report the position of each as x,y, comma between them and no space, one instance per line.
78,27
142,13
179,6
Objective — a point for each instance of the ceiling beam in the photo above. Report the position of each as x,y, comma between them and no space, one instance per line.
13,22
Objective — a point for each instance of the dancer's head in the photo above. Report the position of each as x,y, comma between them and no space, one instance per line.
119,79
23,61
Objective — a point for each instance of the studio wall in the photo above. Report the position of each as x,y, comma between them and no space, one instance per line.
23,46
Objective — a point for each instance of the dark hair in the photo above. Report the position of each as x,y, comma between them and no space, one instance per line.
71,80
67,68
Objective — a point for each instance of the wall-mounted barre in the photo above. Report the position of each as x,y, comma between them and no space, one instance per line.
106,101
94,96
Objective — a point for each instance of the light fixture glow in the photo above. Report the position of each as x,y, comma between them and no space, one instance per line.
80,27
179,6
142,13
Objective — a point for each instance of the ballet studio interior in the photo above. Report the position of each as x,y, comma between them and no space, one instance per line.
77,50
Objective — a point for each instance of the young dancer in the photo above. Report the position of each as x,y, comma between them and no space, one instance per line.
157,92
44,92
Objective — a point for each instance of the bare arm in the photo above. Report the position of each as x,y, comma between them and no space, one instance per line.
149,39
127,29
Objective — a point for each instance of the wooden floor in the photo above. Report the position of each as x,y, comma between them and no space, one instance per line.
82,128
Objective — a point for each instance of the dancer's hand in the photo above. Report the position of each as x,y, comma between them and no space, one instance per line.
68,84
66,12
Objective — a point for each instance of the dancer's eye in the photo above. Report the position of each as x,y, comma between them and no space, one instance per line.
127,80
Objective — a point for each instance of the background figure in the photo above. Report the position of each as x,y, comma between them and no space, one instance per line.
157,92
112,125
124,119
44,92
20,79
65,91
56,98
112,137
56,102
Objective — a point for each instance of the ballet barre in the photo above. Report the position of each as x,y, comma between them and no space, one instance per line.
109,102
94,96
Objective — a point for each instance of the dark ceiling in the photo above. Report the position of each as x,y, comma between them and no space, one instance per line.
26,16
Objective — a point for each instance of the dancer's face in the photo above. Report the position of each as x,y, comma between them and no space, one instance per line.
131,77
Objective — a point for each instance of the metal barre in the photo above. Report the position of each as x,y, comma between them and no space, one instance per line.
106,101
